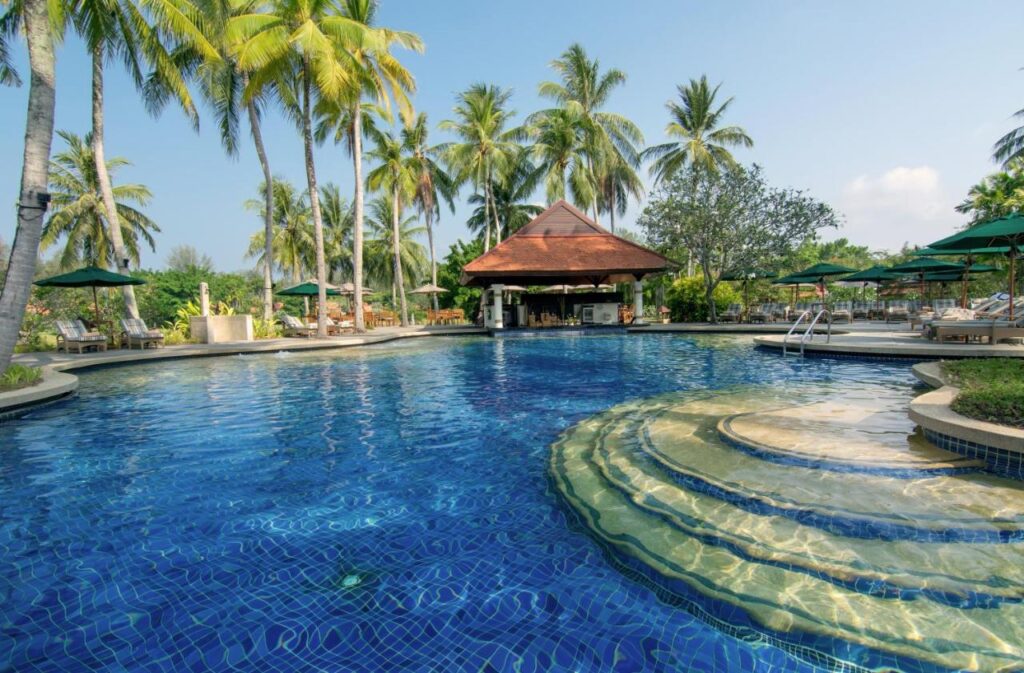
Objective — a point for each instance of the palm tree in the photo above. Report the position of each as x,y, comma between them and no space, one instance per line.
381,245
617,181
562,153
998,195
394,176
119,28
292,232
36,23
432,183
79,217
609,141
485,147
702,141
337,232
221,83
511,199
300,41
379,77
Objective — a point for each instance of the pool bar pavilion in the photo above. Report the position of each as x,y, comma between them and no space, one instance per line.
561,269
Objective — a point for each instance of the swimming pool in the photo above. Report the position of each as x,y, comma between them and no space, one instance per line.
387,508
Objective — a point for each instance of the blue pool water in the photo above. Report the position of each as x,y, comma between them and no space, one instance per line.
386,509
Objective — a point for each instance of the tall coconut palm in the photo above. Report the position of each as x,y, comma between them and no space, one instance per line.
36,23
395,176
702,140
617,182
609,141
337,232
380,246
78,216
486,145
379,77
292,232
433,184
121,29
562,152
511,199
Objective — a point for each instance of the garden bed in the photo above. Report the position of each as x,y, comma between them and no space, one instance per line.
991,389
16,377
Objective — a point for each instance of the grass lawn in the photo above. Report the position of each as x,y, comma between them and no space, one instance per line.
19,376
990,390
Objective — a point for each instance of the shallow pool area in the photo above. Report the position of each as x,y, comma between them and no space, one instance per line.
395,508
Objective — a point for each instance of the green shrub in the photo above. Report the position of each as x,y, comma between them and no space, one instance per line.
20,376
688,303
991,389
265,329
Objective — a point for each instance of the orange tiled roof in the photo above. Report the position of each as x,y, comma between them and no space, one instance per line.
563,243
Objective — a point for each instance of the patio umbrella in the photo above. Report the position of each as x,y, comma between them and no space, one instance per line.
822,271
876,275
90,276
350,288
1004,231
428,289
558,289
968,254
796,281
923,265
745,276
308,289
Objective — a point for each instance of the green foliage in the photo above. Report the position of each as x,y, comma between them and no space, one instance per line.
687,299
450,271
991,389
36,334
20,376
265,329
998,195
166,291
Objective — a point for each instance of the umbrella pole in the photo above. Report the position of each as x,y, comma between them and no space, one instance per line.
96,306
1013,280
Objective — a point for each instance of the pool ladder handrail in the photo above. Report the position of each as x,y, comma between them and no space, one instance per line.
808,334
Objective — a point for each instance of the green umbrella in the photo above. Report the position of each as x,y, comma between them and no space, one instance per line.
796,281
308,289
1004,231
747,275
876,274
968,260
90,276
822,271
923,265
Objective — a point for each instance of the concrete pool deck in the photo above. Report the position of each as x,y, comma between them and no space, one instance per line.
58,383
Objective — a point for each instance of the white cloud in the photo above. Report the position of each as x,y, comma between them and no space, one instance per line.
901,205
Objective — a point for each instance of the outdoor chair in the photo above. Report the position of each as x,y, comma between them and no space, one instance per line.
780,312
876,310
293,327
136,333
860,311
761,313
897,311
842,312
337,328
732,314
72,334
968,330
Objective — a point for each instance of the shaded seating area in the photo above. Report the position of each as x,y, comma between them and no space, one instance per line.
293,327
446,316
72,334
137,334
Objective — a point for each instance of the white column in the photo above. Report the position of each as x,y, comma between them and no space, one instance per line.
204,299
499,319
638,301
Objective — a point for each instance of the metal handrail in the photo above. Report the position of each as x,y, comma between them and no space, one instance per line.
785,340
809,333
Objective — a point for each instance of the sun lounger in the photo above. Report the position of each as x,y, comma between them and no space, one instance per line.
876,310
993,330
72,334
780,312
897,311
842,312
732,314
760,313
136,333
860,310
295,327
338,328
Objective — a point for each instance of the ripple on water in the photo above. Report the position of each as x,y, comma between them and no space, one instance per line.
385,508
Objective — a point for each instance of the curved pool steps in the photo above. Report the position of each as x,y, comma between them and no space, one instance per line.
951,603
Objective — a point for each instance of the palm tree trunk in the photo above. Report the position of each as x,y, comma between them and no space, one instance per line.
268,216
396,249
494,211
433,258
34,177
103,178
314,205
611,210
357,216
487,215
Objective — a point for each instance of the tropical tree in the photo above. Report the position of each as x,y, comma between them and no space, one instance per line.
79,218
617,181
511,200
382,243
36,21
292,232
394,176
1011,145
433,184
998,195
561,150
699,137
608,142
120,29
337,232
187,258
730,220
485,147
377,78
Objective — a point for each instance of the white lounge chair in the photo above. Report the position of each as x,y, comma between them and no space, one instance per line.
136,333
72,334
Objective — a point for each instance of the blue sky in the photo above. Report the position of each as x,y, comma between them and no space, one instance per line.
886,110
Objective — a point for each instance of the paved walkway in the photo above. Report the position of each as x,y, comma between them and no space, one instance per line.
893,343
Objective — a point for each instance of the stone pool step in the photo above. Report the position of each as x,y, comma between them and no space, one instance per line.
968,504
781,599
875,566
